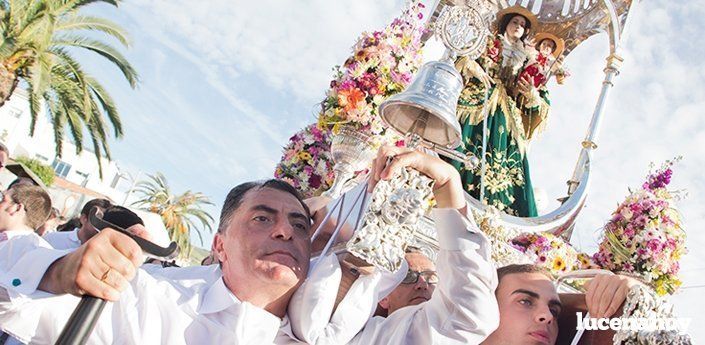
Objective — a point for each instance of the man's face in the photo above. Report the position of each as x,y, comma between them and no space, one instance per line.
415,293
266,241
3,159
10,212
528,310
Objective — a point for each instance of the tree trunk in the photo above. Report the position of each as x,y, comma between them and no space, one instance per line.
8,83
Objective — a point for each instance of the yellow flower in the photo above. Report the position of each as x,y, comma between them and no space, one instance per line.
558,264
304,156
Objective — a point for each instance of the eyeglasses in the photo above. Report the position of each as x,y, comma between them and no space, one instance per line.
412,277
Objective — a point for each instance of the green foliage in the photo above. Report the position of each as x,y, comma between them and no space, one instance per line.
43,171
38,38
181,213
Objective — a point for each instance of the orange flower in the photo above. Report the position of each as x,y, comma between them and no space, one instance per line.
349,99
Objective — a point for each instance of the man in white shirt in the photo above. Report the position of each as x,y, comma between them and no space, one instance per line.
23,208
530,306
263,246
462,309
75,238
418,284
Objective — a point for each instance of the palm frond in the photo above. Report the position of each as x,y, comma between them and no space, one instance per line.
90,23
102,49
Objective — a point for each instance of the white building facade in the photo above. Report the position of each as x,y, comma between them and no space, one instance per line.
80,169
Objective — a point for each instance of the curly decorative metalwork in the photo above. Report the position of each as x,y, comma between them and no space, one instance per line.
642,303
464,29
391,219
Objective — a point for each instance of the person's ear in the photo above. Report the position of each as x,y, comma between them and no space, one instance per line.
15,208
384,303
218,248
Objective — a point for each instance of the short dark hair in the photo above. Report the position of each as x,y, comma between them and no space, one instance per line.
235,196
504,21
121,217
102,203
69,225
36,202
521,268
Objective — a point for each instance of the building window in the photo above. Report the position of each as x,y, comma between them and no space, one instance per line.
61,168
16,113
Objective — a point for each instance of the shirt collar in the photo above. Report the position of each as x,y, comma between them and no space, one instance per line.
217,298
5,235
73,236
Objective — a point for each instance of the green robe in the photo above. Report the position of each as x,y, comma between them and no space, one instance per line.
507,179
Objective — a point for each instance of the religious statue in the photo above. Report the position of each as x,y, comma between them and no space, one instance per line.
498,94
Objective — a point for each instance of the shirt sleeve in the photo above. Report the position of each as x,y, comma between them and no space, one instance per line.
313,314
23,261
463,308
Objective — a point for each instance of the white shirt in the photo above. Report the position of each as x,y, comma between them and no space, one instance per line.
63,239
462,310
196,308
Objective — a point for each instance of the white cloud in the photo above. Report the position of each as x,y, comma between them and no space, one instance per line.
277,42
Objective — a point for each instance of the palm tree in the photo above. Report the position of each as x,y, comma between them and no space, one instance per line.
37,39
180,213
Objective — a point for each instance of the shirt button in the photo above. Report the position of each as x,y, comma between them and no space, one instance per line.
16,282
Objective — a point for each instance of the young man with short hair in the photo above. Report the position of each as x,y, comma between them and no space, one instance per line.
24,208
77,237
529,304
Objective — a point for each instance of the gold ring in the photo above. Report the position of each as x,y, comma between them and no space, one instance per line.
105,275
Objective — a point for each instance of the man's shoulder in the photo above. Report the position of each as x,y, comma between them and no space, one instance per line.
181,277
61,239
57,235
21,236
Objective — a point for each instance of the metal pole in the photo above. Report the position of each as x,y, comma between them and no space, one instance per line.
132,186
614,62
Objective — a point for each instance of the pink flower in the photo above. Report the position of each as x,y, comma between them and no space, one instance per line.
314,181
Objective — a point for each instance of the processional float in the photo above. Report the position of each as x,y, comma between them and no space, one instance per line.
424,113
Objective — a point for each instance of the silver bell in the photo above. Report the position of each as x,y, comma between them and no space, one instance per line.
428,106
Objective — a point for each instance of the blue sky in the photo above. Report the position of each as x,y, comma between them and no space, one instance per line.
225,83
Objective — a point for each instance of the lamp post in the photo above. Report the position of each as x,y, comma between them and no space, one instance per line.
133,182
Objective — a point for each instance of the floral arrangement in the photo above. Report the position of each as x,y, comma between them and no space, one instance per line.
382,64
307,163
645,236
548,251
500,237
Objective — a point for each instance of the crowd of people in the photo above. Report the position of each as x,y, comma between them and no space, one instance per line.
261,287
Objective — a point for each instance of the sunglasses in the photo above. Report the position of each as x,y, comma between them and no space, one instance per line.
412,277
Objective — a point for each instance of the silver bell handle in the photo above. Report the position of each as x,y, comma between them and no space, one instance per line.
469,160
